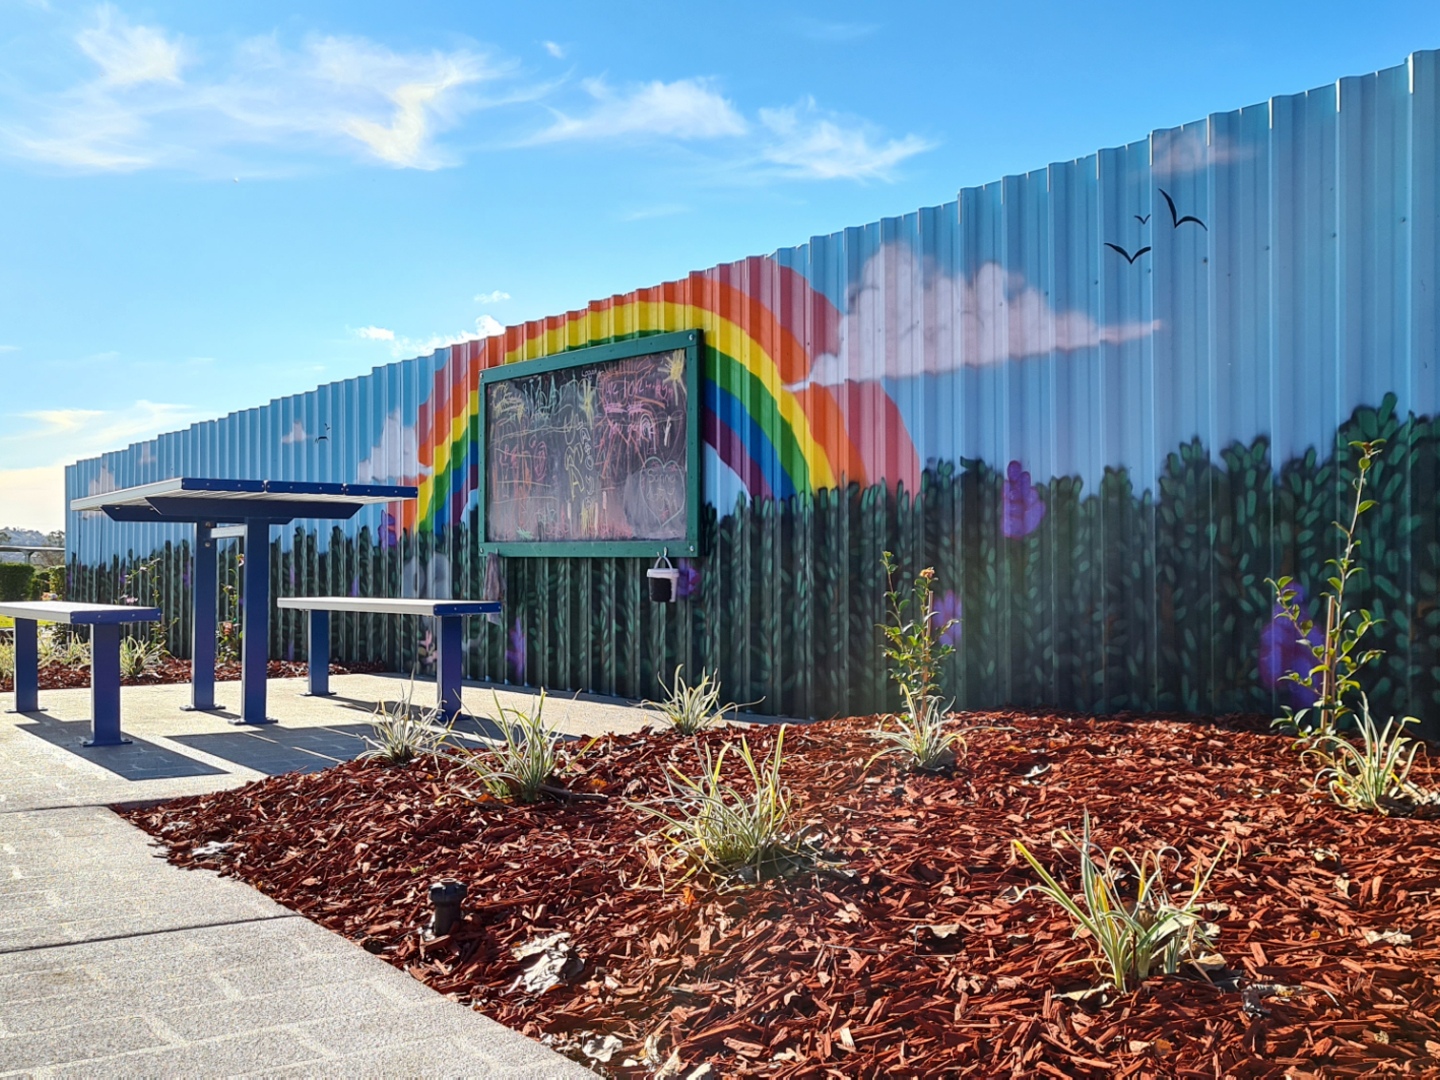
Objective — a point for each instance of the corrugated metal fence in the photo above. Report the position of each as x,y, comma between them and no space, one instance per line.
1103,399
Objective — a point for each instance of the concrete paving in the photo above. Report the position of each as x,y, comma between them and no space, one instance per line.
115,963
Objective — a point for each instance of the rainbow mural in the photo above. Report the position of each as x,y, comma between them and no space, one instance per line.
763,327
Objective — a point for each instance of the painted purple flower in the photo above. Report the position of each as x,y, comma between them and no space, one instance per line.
1023,508
389,532
1283,650
515,654
185,574
946,615
689,583
355,585
293,577
427,650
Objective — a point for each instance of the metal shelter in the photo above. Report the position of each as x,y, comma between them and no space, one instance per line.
254,506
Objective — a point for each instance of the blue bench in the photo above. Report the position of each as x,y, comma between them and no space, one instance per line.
104,621
450,650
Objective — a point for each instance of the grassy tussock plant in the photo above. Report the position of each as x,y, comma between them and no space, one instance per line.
400,734
919,734
915,647
1133,936
523,763
57,646
7,659
139,655
692,709
714,826
1375,775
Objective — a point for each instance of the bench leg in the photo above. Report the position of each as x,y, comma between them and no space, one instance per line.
202,627
449,666
27,666
255,624
319,657
105,687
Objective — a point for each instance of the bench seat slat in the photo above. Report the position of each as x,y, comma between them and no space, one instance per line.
62,611
391,605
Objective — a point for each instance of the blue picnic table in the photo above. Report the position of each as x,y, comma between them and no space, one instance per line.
212,504
104,621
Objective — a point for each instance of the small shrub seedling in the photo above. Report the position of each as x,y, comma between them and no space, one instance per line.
1338,656
915,648
522,764
139,655
1132,937
715,827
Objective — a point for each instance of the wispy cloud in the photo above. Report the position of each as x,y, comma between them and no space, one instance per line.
375,333
647,212
829,30
335,94
809,143
555,49
129,55
684,109
402,346
9,348
491,297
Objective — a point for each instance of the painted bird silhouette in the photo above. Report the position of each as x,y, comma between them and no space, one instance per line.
325,437
1143,220
1128,257
1175,219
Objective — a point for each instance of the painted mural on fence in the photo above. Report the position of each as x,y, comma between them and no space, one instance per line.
1106,399
597,452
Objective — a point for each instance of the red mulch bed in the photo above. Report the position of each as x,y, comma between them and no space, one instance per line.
839,972
170,670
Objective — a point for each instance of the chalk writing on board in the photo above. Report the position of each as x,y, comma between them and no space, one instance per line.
593,452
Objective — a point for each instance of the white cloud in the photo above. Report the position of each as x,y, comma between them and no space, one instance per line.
395,457
296,434
807,144
684,109
988,318
375,333
554,49
647,212
129,55
491,297
9,348
332,94
485,326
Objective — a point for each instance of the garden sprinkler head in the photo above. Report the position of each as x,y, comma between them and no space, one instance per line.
446,895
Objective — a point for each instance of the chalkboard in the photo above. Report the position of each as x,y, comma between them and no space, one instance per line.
591,452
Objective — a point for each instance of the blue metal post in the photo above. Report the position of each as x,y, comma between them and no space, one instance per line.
255,623
105,686
449,661
319,655
27,666
202,626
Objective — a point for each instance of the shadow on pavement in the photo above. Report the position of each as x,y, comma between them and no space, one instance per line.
276,749
137,760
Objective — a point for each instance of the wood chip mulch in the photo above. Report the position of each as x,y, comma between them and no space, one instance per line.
915,955
171,670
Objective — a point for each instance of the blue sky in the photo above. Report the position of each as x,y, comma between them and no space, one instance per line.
204,206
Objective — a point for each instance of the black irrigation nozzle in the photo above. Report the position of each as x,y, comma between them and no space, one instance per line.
446,895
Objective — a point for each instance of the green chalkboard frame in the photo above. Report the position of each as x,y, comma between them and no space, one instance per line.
691,342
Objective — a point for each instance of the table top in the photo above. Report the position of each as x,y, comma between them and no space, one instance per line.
63,611
196,498
390,606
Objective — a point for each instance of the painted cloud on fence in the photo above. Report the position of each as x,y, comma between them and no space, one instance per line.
907,317
395,457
